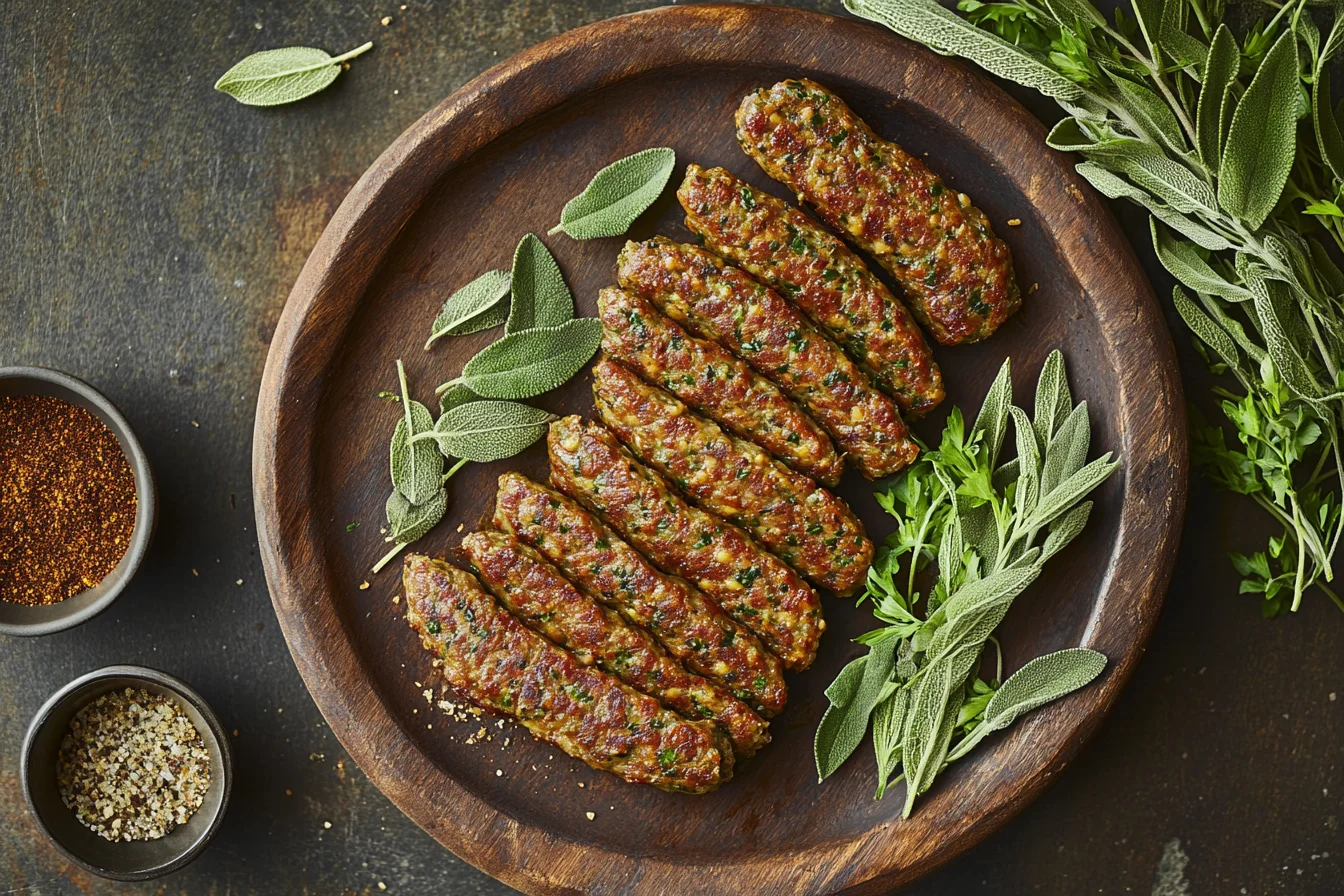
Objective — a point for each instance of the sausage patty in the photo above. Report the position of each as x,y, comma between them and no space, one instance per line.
714,382
778,244
720,302
495,661
957,275
756,588
800,522
691,626
538,594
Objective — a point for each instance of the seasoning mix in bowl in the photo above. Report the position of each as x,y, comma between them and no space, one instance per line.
77,501
132,766
67,500
128,771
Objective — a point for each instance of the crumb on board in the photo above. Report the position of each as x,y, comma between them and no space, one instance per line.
387,20
364,586
591,815
1014,222
1031,289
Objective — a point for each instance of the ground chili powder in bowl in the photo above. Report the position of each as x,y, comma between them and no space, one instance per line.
76,501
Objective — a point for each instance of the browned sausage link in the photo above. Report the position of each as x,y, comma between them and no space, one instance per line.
957,274
494,661
800,522
548,603
714,382
756,588
778,244
720,302
691,626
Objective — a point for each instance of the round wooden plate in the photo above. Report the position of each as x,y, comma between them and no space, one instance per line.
447,201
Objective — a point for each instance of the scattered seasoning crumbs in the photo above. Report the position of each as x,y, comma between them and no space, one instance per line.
499,773
1014,222
194,572
363,586
591,815
381,885
326,824
132,766
1031,289
195,424
387,20
239,582
288,792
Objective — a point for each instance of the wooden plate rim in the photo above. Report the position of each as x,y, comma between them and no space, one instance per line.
347,257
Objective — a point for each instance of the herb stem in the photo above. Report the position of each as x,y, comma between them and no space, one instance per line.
457,466
353,53
387,558
444,387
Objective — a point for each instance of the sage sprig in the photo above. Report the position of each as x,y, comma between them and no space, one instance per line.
617,195
475,307
485,431
988,527
1233,145
417,469
276,77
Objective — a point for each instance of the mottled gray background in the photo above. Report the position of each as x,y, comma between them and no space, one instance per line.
150,231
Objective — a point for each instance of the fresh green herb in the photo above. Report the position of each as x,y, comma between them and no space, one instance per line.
485,431
617,195
1174,114
417,469
388,396
475,307
531,361
406,522
352,527
455,396
988,527
540,296
275,77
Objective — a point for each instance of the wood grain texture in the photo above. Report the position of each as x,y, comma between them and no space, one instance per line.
448,200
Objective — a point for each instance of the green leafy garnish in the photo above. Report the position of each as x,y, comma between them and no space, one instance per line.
617,195
275,77
987,527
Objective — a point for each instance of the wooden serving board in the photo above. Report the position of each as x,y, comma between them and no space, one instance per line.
449,200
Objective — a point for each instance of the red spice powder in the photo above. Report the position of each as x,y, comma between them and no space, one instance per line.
67,500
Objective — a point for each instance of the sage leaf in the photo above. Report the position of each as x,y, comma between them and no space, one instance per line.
407,522
1151,114
1073,489
454,396
1213,115
617,195
1065,529
1260,143
531,361
1029,485
1186,265
942,30
487,430
417,468
1115,187
1053,398
540,296
929,724
276,77
993,416
843,726
888,722
1328,136
1067,451
475,307
1041,681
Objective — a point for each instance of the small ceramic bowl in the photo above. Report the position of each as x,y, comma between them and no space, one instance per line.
122,860
18,619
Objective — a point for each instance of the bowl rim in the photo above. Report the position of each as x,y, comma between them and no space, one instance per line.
145,514
184,692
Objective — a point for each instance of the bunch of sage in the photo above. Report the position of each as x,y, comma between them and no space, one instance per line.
1234,148
481,417
988,527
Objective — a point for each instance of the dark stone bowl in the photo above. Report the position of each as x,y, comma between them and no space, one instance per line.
131,860
17,619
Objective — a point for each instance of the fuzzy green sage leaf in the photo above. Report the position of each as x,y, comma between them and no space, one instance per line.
617,195
276,77
540,296
417,469
488,430
475,307
532,361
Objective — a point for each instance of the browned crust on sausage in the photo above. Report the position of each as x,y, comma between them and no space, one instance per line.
493,660
715,382
691,626
778,244
548,603
753,586
957,275
797,520
720,302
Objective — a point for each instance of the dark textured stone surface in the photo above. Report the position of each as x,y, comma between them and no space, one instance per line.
151,229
